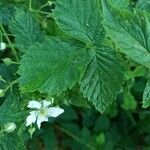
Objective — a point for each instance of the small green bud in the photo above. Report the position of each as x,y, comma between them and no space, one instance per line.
31,130
2,46
100,139
9,127
2,93
7,61
50,3
44,24
1,79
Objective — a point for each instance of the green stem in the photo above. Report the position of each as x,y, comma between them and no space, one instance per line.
43,6
9,42
11,85
1,79
1,36
75,137
41,12
8,34
30,5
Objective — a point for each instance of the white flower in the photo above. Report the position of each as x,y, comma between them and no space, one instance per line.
42,112
2,46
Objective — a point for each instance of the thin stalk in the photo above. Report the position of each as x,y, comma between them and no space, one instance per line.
11,85
40,12
30,5
9,42
43,6
90,147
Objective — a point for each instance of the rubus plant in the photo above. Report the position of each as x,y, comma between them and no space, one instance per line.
64,54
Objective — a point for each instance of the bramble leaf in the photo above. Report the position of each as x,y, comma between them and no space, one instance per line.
120,3
130,31
6,13
129,102
143,5
103,78
81,19
11,141
10,110
7,73
25,29
53,66
146,95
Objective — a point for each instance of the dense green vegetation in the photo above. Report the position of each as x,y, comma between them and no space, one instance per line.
74,75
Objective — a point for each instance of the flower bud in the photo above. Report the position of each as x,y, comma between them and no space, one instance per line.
9,127
31,131
7,61
2,93
2,46
50,3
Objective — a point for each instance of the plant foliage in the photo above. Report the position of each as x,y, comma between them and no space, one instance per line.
92,57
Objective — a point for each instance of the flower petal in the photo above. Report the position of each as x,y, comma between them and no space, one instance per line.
41,119
55,111
34,104
31,118
46,103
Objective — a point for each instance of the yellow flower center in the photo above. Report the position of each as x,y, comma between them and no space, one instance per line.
43,112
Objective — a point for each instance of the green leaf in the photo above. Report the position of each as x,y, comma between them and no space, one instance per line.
6,13
129,101
101,124
85,134
25,29
120,3
49,138
11,142
143,5
53,66
69,115
130,31
146,95
103,78
10,110
8,74
81,19
100,139
75,97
